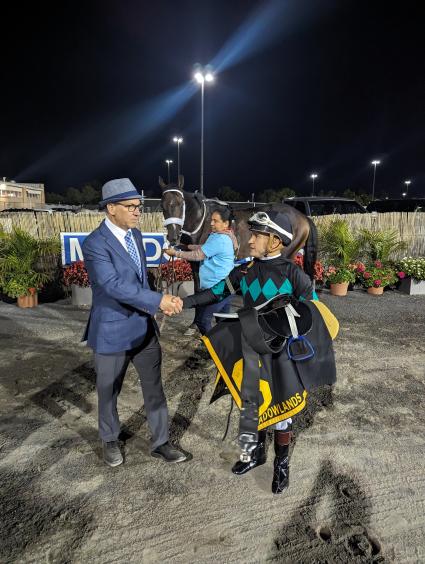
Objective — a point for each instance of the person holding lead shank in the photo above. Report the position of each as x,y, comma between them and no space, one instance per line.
217,256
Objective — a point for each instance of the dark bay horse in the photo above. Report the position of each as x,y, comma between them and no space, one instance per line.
188,216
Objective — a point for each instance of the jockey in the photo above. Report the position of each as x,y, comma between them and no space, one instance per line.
267,276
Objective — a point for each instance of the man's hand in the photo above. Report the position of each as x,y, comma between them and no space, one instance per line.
171,305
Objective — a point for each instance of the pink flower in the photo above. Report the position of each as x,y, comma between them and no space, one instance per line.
361,267
401,275
378,264
367,275
377,283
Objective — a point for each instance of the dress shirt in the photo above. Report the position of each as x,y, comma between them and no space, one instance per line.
120,235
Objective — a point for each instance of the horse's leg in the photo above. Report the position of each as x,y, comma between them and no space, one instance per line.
310,250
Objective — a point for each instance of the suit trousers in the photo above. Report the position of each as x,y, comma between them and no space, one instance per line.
110,372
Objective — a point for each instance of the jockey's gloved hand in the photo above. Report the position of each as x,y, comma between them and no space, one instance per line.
189,302
206,297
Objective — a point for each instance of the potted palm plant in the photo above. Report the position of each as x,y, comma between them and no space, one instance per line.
21,265
380,245
340,247
378,248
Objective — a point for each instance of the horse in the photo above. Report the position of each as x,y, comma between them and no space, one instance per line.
187,217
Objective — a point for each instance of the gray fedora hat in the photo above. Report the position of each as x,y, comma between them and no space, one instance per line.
117,190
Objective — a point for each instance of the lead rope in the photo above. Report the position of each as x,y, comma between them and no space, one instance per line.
158,281
173,276
159,278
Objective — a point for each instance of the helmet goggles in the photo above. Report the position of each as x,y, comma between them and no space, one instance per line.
262,222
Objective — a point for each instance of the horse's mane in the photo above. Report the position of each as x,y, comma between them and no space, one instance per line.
217,201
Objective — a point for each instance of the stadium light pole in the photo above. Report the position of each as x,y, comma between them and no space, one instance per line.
313,176
202,76
407,183
169,162
374,163
178,140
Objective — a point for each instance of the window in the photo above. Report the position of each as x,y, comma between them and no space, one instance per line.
329,207
300,206
322,208
397,206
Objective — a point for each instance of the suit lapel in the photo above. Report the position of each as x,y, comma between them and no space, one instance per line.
117,247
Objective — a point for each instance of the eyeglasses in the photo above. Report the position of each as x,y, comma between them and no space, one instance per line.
262,218
131,207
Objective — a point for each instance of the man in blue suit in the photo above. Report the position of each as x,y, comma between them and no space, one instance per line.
121,327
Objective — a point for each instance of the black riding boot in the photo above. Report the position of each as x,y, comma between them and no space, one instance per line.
281,465
257,459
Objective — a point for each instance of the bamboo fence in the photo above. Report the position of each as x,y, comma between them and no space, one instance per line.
45,225
410,226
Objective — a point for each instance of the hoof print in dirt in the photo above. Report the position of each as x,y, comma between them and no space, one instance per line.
301,539
324,533
365,545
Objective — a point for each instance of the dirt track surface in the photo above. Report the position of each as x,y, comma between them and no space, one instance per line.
357,484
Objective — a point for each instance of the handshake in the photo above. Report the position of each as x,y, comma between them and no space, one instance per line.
171,305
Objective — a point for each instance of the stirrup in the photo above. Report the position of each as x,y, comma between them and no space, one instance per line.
299,348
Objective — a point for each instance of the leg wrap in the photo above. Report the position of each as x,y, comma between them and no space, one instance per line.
282,440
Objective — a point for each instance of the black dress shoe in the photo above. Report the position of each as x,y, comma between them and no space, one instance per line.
280,475
111,453
257,459
168,453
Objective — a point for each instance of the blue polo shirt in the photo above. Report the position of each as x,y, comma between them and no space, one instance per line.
218,249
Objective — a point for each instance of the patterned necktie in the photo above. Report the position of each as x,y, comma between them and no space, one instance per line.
132,251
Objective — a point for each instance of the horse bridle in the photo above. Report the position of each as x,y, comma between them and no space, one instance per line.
180,220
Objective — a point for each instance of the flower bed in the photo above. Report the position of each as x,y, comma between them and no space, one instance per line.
411,273
413,267
340,274
376,275
177,270
76,274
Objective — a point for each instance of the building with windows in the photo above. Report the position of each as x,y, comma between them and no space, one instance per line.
21,195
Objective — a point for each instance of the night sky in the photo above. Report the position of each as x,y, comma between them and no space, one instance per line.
95,90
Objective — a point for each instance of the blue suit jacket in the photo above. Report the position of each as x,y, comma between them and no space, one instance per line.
123,305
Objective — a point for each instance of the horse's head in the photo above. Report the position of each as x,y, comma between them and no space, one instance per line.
173,208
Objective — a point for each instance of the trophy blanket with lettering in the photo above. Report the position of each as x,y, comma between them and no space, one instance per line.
275,349
270,356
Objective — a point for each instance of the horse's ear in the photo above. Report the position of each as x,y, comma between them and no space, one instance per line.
181,181
162,183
